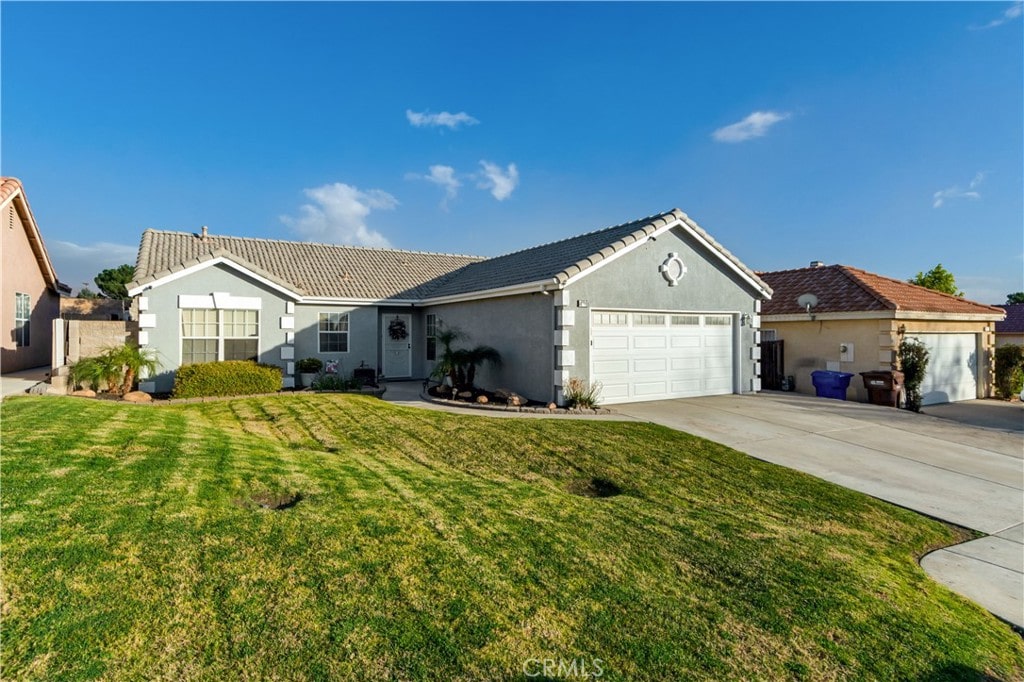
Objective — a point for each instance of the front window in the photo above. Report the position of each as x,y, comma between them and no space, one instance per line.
212,335
431,337
22,316
333,328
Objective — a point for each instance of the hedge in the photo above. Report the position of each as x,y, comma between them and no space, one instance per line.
232,377
1009,370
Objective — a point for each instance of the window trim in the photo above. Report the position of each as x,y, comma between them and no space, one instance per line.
430,326
22,325
346,334
220,337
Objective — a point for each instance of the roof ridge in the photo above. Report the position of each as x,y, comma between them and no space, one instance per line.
851,273
311,243
918,286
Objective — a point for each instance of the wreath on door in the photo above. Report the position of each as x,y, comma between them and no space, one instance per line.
397,330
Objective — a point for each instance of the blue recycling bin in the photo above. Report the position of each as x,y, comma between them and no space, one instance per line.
831,384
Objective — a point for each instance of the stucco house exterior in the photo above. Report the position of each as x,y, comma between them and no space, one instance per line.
1011,329
652,309
859,319
31,290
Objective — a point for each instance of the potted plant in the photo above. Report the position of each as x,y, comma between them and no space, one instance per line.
308,369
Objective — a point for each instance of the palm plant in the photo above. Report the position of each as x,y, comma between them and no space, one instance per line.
474,357
449,361
135,362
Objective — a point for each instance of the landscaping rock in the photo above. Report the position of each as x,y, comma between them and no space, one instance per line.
482,399
552,406
137,397
84,393
466,395
514,400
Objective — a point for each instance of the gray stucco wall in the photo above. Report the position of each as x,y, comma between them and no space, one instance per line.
165,335
521,328
362,335
633,281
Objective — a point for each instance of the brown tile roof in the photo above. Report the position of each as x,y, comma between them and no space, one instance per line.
307,268
11,190
844,289
324,270
1014,322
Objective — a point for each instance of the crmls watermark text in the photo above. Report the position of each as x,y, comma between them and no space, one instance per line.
561,667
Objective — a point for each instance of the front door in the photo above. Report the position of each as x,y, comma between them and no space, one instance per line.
397,334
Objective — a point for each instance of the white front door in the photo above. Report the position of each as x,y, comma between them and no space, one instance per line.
659,354
952,371
397,334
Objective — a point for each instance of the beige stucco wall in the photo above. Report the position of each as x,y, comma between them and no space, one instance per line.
809,345
21,274
1008,339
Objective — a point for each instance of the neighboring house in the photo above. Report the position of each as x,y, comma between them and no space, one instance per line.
92,309
31,291
859,319
1011,329
652,309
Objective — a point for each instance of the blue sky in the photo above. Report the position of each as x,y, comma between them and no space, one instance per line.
883,136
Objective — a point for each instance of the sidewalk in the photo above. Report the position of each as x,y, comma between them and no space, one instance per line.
18,383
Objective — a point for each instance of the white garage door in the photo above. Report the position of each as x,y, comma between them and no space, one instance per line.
657,355
952,372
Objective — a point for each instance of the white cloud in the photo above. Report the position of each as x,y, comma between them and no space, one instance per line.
957,192
1013,12
339,215
755,125
499,182
425,119
77,264
442,176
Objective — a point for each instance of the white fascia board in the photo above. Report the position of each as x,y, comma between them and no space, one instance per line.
219,260
514,290
951,317
325,300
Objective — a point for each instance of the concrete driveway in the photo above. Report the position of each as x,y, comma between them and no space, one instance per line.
967,475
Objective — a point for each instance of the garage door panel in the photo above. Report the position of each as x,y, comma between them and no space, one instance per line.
650,365
952,372
658,362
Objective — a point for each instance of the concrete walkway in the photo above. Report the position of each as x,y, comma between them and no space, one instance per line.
18,383
967,475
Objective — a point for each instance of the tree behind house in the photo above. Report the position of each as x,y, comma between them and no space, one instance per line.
937,279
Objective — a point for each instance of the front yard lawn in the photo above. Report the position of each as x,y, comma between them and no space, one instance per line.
433,546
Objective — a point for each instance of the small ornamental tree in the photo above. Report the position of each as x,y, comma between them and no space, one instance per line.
913,357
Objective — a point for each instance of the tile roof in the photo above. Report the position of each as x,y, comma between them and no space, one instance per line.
11,190
324,270
311,269
843,289
1014,322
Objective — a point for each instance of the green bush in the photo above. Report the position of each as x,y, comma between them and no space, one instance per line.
1009,370
232,377
309,365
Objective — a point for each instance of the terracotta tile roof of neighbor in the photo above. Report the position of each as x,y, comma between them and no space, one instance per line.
1014,322
362,273
844,289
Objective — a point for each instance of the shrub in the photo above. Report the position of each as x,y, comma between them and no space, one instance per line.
309,365
913,355
579,393
115,368
231,377
1009,370
334,382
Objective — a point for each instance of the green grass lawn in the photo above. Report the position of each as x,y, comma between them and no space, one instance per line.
436,546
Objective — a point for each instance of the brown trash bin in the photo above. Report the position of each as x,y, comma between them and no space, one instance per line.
884,387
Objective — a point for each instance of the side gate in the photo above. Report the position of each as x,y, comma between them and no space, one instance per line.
772,365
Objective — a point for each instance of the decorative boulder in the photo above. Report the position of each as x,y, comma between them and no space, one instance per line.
466,395
137,397
514,400
552,406
84,393
482,399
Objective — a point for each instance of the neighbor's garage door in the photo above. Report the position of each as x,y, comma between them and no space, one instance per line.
952,372
657,355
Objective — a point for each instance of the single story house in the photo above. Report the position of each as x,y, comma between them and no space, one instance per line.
651,309
30,289
847,319
1011,329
